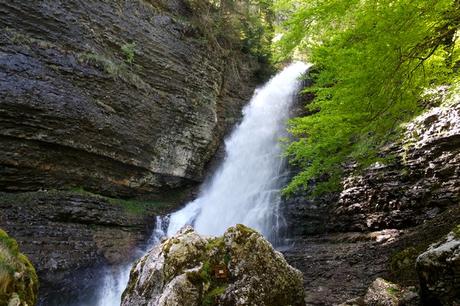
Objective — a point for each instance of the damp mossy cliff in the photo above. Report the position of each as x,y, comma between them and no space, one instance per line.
18,280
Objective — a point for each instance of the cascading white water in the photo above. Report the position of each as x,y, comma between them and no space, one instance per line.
245,188
114,282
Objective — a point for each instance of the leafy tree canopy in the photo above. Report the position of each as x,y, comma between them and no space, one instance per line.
373,59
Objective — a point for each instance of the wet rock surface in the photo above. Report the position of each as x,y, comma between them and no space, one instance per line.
120,98
239,268
338,267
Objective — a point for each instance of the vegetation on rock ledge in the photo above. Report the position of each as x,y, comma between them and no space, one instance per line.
237,26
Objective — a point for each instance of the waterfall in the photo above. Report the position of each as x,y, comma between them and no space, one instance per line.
245,188
114,282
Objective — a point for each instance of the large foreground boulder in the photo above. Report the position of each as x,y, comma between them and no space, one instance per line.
439,271
18,280
239,268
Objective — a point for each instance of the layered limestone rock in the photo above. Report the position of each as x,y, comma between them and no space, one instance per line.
239,268
18,280
117,97
424,180
439,271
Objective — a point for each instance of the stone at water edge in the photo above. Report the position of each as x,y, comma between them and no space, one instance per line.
438,269
239,268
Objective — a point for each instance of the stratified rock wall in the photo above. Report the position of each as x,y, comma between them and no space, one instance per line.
424,180
70,236
117,97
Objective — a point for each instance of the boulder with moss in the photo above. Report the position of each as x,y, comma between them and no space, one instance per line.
439,271
18,280
239,268
384,293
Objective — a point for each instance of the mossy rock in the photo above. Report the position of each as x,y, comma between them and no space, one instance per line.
18,279
238,268
456,231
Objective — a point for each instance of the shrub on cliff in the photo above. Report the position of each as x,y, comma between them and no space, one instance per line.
18,280
236,25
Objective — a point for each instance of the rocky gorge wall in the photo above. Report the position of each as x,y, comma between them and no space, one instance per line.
102,100
116,97
386,215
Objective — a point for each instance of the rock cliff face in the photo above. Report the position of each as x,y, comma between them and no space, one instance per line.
424,180
120,98
385,216
239,268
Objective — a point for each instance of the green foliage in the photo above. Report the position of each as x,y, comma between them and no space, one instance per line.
209,299
116,69
236,25
373,61
18,279
128,51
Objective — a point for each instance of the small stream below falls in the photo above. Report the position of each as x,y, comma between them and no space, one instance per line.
245,188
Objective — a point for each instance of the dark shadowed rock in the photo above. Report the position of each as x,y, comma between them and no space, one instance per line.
240,268
439,271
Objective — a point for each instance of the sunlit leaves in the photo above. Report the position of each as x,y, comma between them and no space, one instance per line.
374,58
